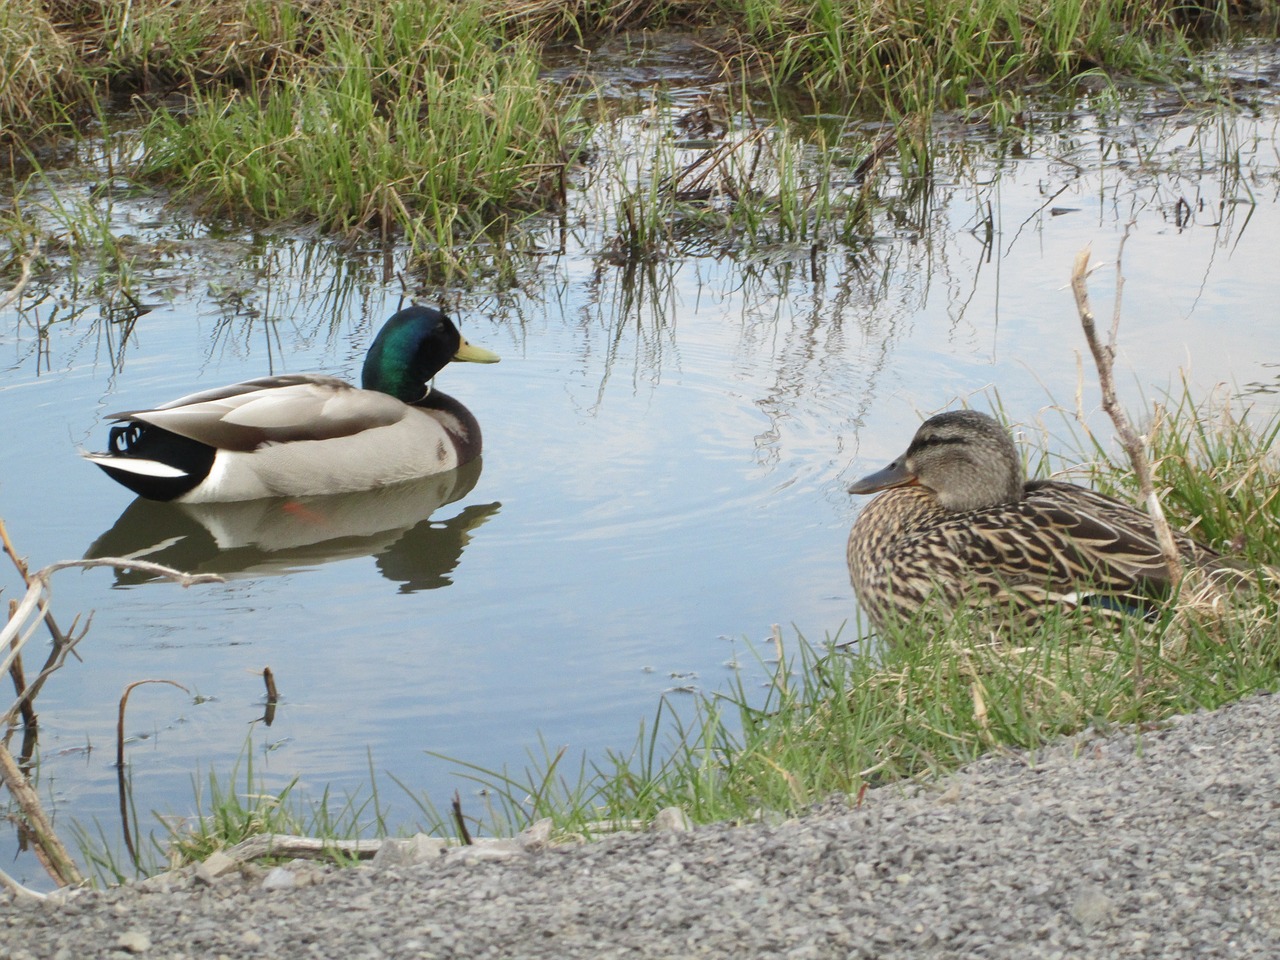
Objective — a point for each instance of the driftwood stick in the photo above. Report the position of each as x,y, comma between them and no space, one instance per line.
59,638
18,890
1104,359
287,845
36,597
20,684
52,854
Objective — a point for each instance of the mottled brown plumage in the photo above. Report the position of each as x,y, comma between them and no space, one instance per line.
957,524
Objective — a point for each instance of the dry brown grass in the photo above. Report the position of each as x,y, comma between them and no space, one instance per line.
38,68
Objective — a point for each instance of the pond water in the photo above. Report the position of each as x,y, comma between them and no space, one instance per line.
666,450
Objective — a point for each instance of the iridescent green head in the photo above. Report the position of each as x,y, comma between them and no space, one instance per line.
411,348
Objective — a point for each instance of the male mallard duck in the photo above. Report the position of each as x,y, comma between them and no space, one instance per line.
957,520
305,434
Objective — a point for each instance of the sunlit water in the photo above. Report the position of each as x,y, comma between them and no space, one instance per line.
664,468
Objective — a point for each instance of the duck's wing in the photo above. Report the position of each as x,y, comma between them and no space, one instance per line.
285,409
1106,540
1057,541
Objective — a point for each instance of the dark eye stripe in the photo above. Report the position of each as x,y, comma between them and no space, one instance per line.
935,441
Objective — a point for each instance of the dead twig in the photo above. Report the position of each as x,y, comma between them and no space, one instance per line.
458,818
1104,359
121,784
14,292
59,637
20,683
48,848
36,599
25,618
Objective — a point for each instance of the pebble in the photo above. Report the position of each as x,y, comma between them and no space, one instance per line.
672,820
279,878
1099,847
218,864
133,941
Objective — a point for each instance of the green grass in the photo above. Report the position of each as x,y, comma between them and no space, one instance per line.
842,719
226,815
429,118
421,121
43,82
1216,473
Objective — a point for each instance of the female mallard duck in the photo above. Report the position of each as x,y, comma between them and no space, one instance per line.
305,434
957,522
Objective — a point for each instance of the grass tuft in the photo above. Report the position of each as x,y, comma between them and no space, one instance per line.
417,119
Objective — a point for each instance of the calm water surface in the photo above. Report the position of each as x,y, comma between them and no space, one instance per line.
665,456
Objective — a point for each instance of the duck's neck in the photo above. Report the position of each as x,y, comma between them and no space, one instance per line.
396,368
901,511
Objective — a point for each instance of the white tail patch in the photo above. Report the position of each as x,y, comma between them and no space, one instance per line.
143,468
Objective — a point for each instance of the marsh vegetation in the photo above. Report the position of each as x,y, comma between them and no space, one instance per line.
815,180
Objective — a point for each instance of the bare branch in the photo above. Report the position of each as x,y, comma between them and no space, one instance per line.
24,620
37,595
1104,360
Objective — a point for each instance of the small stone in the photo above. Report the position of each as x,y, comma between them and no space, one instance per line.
537,835
160,883
409,851
1092,907
251,938
134,941
279,879
214,866
672,820
674,867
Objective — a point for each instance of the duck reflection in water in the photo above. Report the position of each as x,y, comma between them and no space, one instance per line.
282,535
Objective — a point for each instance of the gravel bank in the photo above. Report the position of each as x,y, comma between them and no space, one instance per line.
1167,846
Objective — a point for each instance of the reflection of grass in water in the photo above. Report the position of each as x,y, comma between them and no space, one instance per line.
752,186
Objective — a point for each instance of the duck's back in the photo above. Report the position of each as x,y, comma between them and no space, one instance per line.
1056,546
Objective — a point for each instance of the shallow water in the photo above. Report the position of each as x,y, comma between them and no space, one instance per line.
666,452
